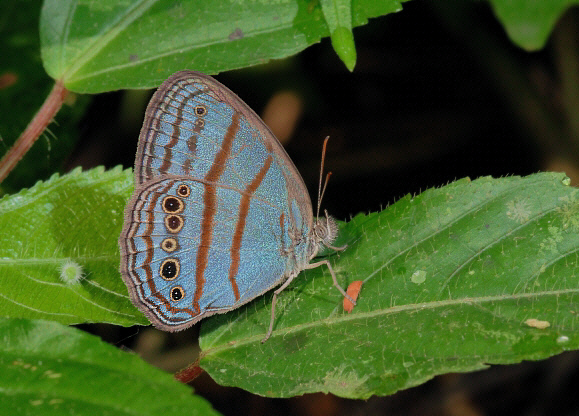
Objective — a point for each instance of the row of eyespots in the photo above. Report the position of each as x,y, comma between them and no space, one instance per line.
170,268
171,205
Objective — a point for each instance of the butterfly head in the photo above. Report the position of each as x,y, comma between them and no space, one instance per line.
324,233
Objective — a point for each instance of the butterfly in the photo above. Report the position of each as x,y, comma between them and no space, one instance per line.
219,214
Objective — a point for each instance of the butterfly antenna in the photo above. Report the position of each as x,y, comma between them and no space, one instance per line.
324,189
321,190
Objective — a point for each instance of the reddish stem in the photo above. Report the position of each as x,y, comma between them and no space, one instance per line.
34,129
189,373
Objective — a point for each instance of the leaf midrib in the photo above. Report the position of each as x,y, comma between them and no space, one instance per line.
364,316
102,39
112,31
54,260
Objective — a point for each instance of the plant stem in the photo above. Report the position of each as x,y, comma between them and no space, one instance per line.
34,129
189,373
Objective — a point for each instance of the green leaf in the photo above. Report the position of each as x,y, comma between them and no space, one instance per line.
453,279
338,15
530,22
106,45
68,225
23,86
49,369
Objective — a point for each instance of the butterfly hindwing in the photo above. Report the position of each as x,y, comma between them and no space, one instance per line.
184,266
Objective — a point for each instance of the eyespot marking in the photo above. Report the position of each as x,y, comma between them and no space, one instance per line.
169,245
172,205
174,223
200,110
177,293
183,190
170,269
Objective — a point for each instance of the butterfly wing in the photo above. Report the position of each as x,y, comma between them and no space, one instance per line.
244,224
194,125
180,271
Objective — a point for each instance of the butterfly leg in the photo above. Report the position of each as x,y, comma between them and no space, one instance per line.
289,280
327,263
273,302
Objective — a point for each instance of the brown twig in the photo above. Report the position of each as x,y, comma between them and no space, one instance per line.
189,373
34,129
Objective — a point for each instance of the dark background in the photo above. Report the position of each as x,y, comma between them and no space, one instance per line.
438,93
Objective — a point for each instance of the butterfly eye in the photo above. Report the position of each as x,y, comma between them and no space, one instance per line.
177,293
170,269
200,110
174,223
183,190
173,205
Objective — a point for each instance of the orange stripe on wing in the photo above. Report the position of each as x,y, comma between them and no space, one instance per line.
240,226
210,201
156,110
175,135
168,156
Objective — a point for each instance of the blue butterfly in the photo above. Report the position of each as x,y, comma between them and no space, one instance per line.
219,215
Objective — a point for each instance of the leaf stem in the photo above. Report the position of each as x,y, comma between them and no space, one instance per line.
190,373
34,129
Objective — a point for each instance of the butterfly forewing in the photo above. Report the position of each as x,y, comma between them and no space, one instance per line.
194,123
